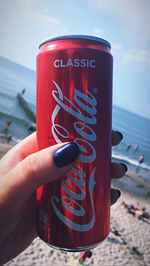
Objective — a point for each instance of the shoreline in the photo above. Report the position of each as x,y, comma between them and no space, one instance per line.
132,182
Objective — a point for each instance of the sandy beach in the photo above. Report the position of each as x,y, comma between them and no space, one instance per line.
127,244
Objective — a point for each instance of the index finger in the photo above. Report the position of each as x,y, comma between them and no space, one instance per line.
19,152
116,137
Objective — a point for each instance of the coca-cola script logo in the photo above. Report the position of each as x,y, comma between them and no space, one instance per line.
82,126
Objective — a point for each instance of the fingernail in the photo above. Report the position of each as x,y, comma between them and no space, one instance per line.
118,193
120,135
124,167
66,154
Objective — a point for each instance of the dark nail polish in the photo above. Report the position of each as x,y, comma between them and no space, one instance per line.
66,154
118,193
124,167
120,135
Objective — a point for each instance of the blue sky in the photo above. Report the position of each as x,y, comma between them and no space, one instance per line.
124,23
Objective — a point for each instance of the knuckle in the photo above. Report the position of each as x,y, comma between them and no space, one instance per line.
34,171
31,170
30,166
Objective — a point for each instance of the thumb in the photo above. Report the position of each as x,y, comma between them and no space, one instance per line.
36,169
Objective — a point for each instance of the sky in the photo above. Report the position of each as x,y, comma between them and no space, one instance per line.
124,23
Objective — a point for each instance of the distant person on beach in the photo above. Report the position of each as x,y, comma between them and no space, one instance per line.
136,211
7,137
22,170
141,159
23,91
7,126
128,147
136,147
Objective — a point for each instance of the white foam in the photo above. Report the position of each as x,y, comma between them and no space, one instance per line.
130,160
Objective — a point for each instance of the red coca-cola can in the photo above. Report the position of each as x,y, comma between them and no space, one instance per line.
74,103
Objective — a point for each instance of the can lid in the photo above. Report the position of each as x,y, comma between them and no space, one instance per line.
85,37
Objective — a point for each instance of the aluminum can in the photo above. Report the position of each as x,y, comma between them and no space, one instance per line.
74,103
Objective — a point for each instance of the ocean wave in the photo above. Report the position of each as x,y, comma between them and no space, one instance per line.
129,160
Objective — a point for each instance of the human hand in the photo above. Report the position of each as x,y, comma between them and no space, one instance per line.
117,170
22,170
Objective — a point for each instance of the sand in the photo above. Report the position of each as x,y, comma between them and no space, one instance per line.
4,147
127,244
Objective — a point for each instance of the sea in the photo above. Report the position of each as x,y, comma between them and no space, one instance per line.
15,78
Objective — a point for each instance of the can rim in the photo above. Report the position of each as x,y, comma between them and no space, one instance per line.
84,37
